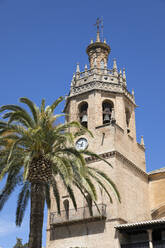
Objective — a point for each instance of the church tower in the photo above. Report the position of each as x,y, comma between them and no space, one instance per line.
99,100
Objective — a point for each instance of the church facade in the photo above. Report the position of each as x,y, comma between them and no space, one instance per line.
99,100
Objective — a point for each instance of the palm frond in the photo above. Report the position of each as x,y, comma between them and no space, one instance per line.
3,124
22,203
107,179
11,107
101,185
34,109
47,195
21,117
56,193
42,106
71,195
12,181
56,103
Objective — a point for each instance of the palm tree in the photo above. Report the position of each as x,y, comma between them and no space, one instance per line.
35,154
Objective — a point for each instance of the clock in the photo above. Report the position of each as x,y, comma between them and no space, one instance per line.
81,144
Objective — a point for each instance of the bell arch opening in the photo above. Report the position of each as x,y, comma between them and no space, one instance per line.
102,64
83,114
107,107
128,117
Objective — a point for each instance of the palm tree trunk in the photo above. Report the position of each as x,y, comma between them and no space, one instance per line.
36,214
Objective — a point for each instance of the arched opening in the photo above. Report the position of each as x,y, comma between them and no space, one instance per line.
128,116
66,207
95,62
107,107
102,64
83,114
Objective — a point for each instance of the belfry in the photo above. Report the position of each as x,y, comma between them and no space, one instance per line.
100,100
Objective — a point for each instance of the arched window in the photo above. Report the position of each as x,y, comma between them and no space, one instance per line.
66,207
83,114
128,116
102,64
95,62
107,107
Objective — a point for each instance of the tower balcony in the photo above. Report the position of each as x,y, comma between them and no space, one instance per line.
83,214
99,79
95,70
95,73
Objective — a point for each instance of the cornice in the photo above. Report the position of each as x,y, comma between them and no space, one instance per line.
142,147
103,86
98,45
106,155
156,176
131,164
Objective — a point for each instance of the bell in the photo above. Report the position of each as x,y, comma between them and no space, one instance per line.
106,118
107,110
84,118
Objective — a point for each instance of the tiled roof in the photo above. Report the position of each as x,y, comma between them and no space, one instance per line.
140,224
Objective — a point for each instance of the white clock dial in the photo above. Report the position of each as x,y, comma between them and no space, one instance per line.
81,144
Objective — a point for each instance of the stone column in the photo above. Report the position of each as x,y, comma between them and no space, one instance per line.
150,238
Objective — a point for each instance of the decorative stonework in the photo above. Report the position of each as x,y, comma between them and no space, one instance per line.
98,85
98,52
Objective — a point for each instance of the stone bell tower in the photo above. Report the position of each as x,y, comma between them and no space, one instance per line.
99,100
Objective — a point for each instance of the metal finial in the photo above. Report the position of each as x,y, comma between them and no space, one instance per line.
102,27
98,21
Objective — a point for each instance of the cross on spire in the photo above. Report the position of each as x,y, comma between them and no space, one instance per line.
97,24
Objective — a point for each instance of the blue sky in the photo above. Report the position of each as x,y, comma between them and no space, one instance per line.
42,40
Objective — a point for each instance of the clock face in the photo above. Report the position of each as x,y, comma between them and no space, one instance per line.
81,144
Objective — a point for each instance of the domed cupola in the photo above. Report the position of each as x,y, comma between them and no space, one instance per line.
98,51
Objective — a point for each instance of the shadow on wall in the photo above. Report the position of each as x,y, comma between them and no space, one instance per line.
79,229
159,212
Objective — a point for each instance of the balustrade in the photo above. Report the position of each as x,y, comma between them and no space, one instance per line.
81,214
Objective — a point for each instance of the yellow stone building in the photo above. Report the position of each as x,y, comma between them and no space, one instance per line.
100,100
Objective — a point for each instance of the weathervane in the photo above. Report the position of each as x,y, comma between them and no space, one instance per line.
98,22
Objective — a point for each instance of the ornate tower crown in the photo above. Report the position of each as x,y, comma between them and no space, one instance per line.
98,51
98,76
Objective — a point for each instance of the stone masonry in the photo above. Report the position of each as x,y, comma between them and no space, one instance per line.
116,141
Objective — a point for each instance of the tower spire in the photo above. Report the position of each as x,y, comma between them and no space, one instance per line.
98,21
99,50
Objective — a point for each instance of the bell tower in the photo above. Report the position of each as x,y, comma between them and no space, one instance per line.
99,99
